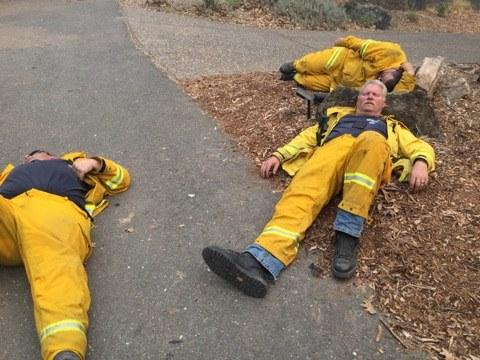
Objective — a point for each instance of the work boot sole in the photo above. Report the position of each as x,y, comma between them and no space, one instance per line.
223,266
342,275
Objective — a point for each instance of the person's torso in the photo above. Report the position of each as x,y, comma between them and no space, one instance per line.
356,124
53,176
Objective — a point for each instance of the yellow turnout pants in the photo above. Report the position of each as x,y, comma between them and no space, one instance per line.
50,236
355,165
316,71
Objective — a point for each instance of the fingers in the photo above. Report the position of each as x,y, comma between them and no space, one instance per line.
418,183
269,167
276,166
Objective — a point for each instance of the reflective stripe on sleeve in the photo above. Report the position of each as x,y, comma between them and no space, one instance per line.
359,179
364,47
90,208
61,326
115,182
333,58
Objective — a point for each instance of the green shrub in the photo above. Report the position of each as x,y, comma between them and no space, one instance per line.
210,4
233,3
412,17
312,13
442,8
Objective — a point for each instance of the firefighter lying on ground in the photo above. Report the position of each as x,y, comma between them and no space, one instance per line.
351,62
353,157
46,207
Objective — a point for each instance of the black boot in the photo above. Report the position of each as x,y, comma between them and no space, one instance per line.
345,258
287,71
240,269
66,355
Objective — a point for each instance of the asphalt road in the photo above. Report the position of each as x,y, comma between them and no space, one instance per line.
204,47
71,78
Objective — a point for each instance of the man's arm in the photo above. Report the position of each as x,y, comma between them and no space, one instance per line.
114,177
381,55
302,143
84,166
408,79
420,154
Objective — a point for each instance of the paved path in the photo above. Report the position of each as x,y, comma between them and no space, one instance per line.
204,47
70,78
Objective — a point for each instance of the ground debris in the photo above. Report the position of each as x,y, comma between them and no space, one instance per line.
421,251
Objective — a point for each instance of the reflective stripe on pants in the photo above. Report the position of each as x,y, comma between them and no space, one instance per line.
357,164
53,240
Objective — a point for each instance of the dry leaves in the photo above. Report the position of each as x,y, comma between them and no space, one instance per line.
421,252
368,306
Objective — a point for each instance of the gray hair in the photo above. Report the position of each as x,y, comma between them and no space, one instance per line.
380,84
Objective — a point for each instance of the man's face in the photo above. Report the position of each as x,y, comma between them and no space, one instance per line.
370,100
39,155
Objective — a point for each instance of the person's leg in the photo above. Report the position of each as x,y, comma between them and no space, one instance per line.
277,246
314,70
310,190
9,253
54,241
367,165
314,82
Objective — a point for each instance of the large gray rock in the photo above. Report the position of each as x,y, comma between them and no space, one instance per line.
412,108
368,15
459,89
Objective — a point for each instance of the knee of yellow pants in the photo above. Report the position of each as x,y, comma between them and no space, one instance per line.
318,82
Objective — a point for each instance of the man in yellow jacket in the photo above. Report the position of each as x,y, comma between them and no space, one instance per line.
46,210
351,62
353,155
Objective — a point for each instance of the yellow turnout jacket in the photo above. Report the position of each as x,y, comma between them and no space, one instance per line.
351,63
112,179
405,147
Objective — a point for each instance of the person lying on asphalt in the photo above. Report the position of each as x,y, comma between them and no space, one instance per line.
47,205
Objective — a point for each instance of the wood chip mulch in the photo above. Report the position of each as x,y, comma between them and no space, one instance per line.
420,255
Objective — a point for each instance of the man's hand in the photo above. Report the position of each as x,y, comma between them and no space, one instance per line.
339,41
270,167
408,67
419,176
83,166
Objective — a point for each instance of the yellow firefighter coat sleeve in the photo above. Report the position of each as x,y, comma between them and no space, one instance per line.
297,151
403,144
111,179
406,83
381,55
